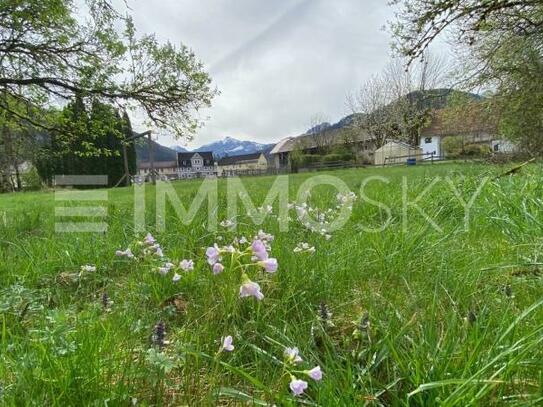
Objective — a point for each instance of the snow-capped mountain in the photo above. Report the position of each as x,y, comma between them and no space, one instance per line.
179,149
229,146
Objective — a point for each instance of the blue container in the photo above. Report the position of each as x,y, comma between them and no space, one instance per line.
411,161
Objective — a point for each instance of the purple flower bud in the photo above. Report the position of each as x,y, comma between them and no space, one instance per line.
105,300
159,334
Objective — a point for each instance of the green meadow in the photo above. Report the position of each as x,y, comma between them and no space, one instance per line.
410,303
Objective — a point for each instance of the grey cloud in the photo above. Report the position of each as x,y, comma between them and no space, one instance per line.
276,63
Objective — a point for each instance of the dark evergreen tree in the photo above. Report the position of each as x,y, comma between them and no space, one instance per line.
97,149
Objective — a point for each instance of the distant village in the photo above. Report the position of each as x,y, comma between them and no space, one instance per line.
330,147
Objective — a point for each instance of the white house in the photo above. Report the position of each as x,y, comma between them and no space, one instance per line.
431,147
195,165
477,129
503,146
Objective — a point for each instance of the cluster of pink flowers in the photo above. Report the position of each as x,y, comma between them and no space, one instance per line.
227,223
245,256
346,199
149,250
304,247
293,359
148,246
125,253
262,210
318,221
151,246
88,268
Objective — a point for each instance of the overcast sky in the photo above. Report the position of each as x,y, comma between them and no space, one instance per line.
276,63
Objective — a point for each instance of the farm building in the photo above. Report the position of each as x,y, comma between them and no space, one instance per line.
360,142
242,165
476,129
163,169
396,152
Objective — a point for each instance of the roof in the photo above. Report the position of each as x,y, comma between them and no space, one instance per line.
157,164
240,158
283,145
312,141
207,156
473,121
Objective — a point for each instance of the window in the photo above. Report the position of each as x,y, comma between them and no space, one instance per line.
428,140
496,147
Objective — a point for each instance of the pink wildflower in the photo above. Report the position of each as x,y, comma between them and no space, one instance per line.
186,265
250,288
259,250
218,268
149,239
292,355
270,265
315,373
297,386
124,253
212,254
227,344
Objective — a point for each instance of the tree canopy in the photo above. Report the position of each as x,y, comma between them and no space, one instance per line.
500,43
52,50
419,22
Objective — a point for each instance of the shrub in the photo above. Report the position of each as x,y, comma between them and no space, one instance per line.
453,146
306,159
476,150
31,180
332,157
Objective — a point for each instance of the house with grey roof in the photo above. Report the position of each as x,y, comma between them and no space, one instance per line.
246,164
196,164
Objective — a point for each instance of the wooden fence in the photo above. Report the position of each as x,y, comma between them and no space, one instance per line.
421,157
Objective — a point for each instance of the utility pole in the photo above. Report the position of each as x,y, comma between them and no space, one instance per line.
126,170
151,157
126,176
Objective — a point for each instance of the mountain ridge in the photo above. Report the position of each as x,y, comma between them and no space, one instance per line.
227,147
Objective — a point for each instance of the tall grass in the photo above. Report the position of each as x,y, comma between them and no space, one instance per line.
419,316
